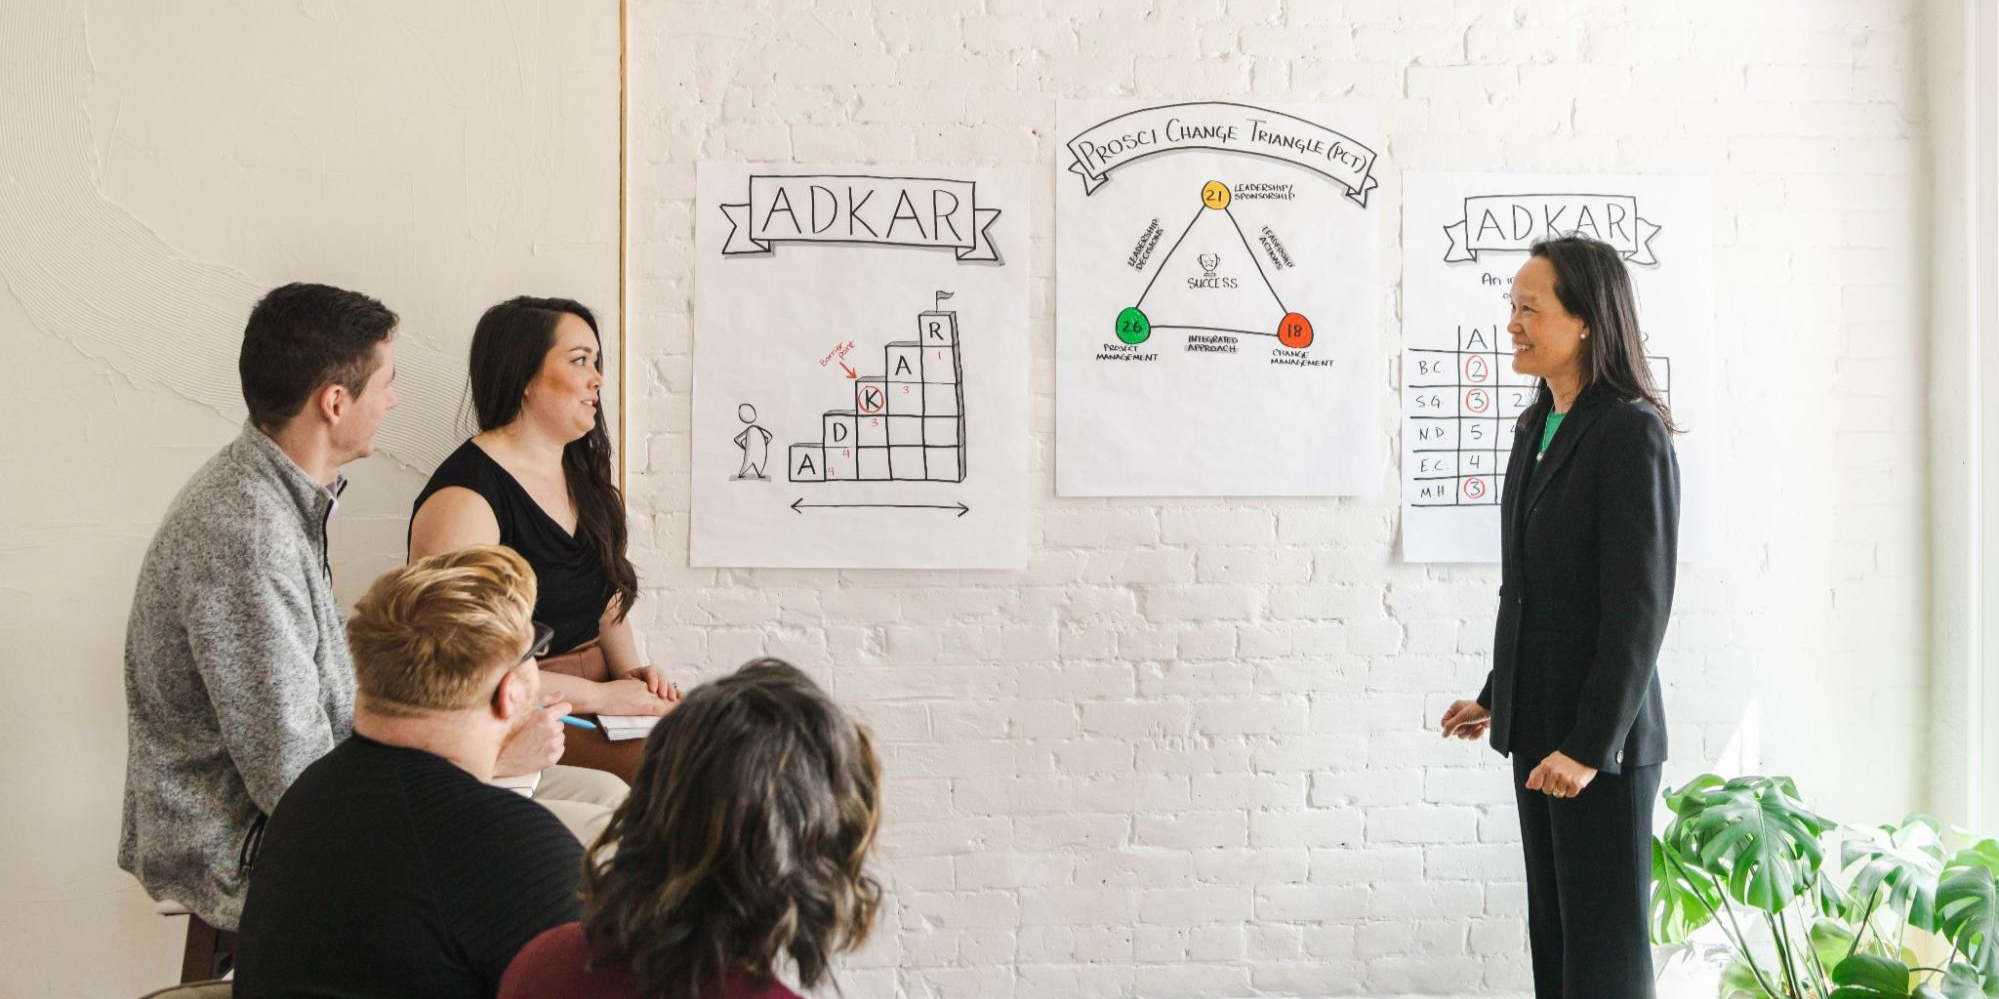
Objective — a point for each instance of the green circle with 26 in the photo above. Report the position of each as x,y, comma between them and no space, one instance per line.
1132,326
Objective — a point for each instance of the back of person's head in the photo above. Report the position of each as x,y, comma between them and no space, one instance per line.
432,636
1592,283
745,839
303,337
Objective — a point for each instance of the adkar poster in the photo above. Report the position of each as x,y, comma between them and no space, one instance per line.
1464,235
860,367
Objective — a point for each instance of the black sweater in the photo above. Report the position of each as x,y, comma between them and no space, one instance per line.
388,871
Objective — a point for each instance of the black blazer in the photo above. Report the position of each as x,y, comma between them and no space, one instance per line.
1589,543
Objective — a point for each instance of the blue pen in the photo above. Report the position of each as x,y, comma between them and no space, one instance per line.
578,722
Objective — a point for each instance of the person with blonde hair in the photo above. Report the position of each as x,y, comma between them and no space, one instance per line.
392,867
744,844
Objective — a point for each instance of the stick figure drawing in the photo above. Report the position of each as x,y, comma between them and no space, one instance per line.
755,442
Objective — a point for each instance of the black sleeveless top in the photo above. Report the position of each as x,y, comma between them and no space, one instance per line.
571,588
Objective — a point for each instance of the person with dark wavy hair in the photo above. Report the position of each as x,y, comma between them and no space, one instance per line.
537,478
744,843
1589,529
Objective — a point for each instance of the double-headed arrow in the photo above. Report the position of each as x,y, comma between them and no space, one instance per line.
801,506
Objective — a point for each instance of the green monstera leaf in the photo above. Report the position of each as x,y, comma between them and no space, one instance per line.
1739,982
1752,834
1961,981
1829,901
1684,898
1831,942
1896,868
1984,853
1866,976
1968,914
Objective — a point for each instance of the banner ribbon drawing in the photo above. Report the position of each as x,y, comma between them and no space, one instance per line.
836,208
1513,222
1226,127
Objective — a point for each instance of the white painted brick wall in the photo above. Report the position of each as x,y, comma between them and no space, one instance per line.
1184,754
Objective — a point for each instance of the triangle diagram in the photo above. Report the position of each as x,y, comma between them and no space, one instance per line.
1213,279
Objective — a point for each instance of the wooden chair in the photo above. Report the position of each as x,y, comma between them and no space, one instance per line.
209,953
194,990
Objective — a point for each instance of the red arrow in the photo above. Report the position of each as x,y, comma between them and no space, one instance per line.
848,370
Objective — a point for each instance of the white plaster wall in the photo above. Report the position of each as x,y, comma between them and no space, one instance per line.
1185,753
161,166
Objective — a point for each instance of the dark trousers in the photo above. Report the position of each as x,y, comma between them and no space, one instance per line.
1589,882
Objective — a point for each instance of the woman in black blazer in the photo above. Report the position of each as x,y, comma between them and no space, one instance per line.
1589,518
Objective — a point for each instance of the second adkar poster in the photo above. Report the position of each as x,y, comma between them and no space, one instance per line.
1464,236
1217,299
860,367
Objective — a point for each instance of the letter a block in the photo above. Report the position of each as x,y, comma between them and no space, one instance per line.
808,463
904,362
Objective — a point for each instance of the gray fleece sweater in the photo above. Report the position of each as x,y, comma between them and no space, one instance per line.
236,672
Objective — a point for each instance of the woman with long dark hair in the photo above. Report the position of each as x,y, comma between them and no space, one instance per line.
537,478
1589,519
744,844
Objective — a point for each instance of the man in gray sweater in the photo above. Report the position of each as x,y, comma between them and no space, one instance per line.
236,668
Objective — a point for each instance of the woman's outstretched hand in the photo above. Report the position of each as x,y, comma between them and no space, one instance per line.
656,681
1466,720
630,696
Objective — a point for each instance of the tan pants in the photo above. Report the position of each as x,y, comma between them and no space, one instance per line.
583,799
589,747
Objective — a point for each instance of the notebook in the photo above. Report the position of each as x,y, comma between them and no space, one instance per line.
524,785
619,728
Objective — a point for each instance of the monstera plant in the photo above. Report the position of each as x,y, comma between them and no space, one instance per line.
1749,858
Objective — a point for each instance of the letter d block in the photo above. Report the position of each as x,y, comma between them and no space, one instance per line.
808,463
839,430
